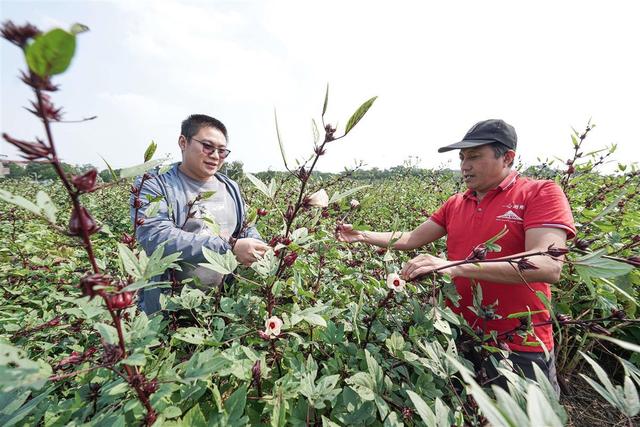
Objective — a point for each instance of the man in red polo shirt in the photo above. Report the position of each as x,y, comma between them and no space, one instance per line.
536,215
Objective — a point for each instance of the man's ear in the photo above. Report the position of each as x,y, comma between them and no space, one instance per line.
509,157
182,142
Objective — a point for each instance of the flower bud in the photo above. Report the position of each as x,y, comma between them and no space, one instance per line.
319,199
85,183
328,132
288,215
79,219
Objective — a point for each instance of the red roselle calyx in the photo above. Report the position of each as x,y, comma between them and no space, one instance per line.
479,253
46,109
634,260
525,264
120,300
262,212
79,218
19,35
37,82
87,182
557,252
289,259
150,387
29,150
127,239
88,284
137,203
140,221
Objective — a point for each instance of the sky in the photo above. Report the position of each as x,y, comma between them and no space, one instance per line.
436,67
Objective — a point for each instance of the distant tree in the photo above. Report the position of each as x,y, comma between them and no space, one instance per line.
233,170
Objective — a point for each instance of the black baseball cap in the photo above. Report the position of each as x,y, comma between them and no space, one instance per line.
486,132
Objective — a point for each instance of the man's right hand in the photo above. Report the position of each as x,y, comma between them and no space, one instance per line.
346,233
249,250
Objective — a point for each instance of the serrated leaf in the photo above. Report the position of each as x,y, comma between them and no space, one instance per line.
222,263
593,265
150,151
359,114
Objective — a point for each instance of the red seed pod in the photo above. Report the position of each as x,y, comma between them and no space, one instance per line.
636,238
137,203
290,259
328,132
150,387
88,284
324,213
479,253
79,219
557,252
618,314
381,251
85,183
29,150
581,244
37,82
127,239
134,189
54,322
570,170
289,213
140,221
120,301
319,151
262,212
525,264
286,241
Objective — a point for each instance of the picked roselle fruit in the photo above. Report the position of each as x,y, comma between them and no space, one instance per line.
80,218
85,183
262,212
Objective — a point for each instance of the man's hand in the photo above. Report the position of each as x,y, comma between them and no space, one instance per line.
424,264
249,250
346,233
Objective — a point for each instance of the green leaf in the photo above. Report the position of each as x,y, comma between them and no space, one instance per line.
108,332
425,412
279,413
11,418
195,417
140,169
46,206
326,101
113,174
310,315
259,185
150,151
129,261
17,371
21,202
223,264
135,359
192,335
593,265
538,408
234,405
339,196
359,114
51,53
280,143
624,344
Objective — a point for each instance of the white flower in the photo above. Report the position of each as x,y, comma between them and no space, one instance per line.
395,282
319,199
354,203
272,326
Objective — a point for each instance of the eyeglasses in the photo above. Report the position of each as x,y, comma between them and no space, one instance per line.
209,149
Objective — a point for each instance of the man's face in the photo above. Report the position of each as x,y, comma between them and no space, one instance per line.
481,171
195,162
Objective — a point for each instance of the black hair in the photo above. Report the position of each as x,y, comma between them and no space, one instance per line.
499,149
192,125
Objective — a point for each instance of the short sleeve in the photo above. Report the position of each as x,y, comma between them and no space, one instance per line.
549,208
440,216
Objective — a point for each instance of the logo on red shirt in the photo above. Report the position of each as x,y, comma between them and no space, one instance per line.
509,216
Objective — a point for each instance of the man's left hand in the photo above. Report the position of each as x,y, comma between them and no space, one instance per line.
424,264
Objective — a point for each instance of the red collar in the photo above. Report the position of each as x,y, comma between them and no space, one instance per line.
506,183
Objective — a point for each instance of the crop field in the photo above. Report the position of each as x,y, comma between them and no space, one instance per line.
314,333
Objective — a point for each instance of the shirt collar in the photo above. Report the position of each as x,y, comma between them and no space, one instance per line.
506,183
